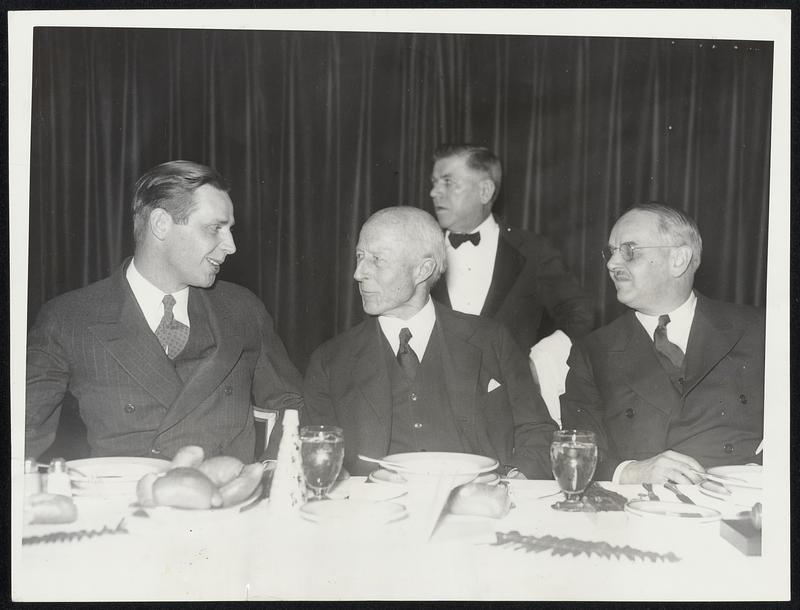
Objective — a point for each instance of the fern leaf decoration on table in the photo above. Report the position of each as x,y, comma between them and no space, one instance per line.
571,546
75,535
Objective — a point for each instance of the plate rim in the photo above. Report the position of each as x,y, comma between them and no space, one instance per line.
727,471
399,512
490,463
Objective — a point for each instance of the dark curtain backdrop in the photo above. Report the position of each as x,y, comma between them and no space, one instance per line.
315,131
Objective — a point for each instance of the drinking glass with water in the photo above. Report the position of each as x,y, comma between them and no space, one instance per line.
573,454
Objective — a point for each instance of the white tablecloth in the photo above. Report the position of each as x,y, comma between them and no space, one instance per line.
258,556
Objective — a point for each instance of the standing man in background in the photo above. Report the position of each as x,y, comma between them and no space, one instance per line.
508,274
495,270
160,354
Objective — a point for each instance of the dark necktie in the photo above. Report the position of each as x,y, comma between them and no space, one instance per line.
172,334
406,356
456,239
664,346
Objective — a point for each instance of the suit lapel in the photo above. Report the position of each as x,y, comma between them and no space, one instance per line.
124,333
462,362
369,374
637,363
508,264
229,342
710,340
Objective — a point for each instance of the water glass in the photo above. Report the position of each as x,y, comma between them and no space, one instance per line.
321,452
573,454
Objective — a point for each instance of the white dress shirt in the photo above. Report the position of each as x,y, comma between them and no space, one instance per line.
470,268
420,325
150,299
680,324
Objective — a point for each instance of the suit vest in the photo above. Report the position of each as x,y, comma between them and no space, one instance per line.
422,419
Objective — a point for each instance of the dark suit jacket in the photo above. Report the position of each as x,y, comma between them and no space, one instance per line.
530,278
95,343
347,384
617,387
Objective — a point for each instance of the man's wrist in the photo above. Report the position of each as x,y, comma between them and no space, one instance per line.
618,471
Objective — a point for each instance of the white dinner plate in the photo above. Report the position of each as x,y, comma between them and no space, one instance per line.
382,475
361,490
111,476
436,463
751,475
672,510
356,511
742,496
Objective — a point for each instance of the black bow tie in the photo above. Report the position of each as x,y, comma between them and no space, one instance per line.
456,239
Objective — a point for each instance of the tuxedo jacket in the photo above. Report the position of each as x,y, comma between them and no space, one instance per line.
95,343
617,387
347,384
530,278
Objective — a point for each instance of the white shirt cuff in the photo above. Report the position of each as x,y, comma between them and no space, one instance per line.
618,471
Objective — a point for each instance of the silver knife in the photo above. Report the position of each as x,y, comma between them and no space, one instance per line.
681,496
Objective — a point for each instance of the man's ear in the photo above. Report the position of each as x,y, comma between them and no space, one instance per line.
681,260
487,188
159,223
425,270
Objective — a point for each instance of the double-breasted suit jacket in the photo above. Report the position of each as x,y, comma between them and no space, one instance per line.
95,343
617,387
347,384
530,278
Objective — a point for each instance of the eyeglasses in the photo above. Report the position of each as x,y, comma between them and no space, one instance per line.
627,251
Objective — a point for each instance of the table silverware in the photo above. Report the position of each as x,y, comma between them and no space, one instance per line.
720,478
651,495
680,495
390,465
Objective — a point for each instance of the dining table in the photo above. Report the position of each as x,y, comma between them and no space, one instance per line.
116,551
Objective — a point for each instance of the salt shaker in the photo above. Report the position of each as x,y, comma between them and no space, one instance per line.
57,478
32,480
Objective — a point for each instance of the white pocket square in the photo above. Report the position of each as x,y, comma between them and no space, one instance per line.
493,385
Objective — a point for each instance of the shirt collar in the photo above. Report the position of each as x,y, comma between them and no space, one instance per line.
680,322
149,298
420,325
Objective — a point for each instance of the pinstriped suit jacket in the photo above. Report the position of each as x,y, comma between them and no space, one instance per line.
95,343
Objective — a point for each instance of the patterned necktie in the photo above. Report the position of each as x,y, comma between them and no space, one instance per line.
172,334
406,356
456,239
664,346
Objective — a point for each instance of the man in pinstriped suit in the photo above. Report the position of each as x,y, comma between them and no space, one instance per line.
159,354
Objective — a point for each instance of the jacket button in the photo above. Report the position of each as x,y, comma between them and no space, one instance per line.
129,408
629,413
227,390
743,399
727,447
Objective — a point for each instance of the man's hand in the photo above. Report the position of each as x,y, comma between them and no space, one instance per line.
669,465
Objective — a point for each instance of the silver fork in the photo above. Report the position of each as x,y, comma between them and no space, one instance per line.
651,495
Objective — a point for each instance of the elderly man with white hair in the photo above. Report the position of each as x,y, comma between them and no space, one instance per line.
676,384
416,376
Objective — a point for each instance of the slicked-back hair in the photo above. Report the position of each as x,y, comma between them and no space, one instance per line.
478,158
676,227
419,231
170,186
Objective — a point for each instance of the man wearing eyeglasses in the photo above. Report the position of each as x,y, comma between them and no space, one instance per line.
676,385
